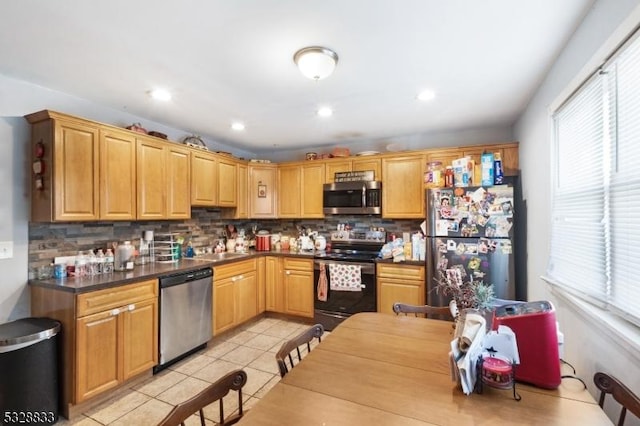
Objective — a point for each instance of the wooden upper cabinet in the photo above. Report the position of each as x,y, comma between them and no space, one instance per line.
227,182
403,189
163,176
334,166
204,178
312,179
178,182
117,175
67,189
290,190
151,175
242,206
263,197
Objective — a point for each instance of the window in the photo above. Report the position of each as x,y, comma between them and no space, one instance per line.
595,231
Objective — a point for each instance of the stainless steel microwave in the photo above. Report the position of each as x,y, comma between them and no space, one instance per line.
352,198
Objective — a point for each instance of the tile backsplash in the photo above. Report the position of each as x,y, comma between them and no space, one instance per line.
205,228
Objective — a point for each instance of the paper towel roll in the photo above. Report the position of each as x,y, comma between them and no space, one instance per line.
148,235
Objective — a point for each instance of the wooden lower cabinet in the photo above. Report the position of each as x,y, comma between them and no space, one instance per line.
274,290
235,294
399,283
289,285
108,336
298,286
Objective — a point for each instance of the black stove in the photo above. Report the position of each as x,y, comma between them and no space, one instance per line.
354,246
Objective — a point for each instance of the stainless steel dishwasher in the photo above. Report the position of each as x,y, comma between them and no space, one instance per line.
185,314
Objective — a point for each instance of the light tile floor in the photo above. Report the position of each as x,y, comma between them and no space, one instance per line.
251,347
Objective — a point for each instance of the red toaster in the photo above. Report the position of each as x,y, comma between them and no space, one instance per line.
534,324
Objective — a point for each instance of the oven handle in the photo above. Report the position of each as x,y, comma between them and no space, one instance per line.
367,268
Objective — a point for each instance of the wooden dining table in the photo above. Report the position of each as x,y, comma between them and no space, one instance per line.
382,369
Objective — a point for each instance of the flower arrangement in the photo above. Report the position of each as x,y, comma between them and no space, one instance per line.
470,294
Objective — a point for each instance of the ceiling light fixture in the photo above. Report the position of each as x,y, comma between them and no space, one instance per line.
316,62
161,95
325,112
237,126
426,95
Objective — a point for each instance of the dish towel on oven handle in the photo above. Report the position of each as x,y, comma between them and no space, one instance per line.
322,283
344,277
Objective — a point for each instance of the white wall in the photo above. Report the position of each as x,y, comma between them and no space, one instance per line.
589,345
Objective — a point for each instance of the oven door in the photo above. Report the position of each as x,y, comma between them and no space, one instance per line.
342,304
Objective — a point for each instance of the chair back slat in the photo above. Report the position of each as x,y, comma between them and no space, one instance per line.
234,380
427,310
622,394
288,347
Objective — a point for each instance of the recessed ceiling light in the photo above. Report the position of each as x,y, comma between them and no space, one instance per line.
426,95
325,112
237,126
161,95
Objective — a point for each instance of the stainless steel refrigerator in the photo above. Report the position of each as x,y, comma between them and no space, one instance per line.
472,229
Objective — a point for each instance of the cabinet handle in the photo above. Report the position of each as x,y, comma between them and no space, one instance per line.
287,272
234,279
115,312
241,277
131,307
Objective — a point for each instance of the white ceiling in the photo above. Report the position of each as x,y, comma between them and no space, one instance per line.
232,60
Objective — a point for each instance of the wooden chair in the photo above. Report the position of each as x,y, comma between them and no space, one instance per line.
429,311
234,380
287,348
621,393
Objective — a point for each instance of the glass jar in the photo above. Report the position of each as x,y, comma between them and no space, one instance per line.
434,178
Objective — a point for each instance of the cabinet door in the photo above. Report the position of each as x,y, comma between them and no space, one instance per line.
139,337
227,182
204,179
178,182
403,188
263,197
392,290
247,296
76,172
298,287
369,164
261,284
274,297
97,354
223,305
151,174
289,188
445,156
311,187
333,167
117,175
242,206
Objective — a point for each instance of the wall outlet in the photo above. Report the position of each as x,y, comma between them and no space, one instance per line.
6,249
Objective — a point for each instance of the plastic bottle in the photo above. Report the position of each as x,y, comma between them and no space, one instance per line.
100,262
108,262
92,263
81,264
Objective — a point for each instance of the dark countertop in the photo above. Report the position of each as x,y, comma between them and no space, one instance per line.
404,262
151,271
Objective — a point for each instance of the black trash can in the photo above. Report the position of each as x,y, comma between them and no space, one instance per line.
29,366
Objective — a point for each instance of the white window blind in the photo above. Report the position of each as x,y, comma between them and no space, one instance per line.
595,234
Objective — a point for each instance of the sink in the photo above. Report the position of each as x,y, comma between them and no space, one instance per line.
213,257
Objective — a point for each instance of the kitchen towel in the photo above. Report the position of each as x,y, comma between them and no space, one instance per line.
344,277
322,283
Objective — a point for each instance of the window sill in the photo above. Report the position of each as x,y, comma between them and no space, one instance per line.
626,333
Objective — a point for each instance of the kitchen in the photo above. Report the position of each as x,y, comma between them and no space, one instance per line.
530,130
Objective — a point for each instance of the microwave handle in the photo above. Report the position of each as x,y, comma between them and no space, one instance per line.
364,196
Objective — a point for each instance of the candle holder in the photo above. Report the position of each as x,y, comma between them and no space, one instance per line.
497,372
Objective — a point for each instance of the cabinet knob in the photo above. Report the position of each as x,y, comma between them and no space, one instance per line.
234,279
115,312
131,307
287,272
